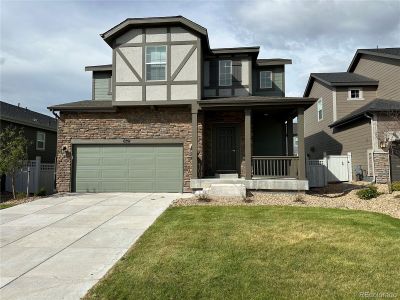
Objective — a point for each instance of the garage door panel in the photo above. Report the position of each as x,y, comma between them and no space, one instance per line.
128,168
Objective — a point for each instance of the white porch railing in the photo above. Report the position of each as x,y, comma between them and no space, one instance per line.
275,166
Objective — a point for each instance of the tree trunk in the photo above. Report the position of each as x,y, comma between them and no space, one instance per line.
13,185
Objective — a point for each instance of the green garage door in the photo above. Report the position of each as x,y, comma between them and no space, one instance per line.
128,168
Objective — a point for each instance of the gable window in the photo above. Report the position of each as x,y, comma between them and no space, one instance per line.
225,72
320,109
265,79
156,63
40,140
355,94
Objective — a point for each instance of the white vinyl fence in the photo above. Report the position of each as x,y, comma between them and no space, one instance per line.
39,175
332,168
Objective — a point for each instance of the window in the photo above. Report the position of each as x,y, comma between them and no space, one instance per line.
355,94
320,109
156,63
265,79
225,72
40,140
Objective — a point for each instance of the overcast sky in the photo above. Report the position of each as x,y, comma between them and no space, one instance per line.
45,45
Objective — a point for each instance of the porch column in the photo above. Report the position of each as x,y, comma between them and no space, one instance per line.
194,141
300,136
289,128
247,142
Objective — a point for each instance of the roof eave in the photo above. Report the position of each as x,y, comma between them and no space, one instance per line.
356,57
99,68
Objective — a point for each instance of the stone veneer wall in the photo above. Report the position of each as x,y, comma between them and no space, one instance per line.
133,123
381,167
228,117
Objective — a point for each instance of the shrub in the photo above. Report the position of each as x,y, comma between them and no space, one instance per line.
369,192
396,186
20,195
42,192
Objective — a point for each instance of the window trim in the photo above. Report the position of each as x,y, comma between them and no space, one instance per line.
150,63
360,93
219,72
38,133
266,87
322,109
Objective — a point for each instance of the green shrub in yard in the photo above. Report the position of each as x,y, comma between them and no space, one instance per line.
369,192
42,192
396,186
20,195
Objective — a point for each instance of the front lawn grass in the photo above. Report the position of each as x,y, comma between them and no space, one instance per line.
260,252
6,205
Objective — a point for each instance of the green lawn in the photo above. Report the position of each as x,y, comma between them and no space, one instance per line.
5,205
260,252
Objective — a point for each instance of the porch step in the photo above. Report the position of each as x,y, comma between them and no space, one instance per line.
227,176
226,189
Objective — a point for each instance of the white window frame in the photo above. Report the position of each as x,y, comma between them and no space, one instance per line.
360,93
219,72
156,63
38,135
320,102
266,86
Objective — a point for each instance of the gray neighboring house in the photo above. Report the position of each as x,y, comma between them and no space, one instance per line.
171,114
40,131
358,111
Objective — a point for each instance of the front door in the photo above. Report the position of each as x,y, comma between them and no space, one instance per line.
226,148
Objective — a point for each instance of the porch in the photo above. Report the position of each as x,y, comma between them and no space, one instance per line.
249,142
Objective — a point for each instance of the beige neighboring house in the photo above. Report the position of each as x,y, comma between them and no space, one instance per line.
358,111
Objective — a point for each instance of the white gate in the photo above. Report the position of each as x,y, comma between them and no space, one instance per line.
332,168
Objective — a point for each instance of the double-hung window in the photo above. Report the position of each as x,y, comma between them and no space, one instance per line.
355,94
156,63
320,109
265,79
225,72
40,140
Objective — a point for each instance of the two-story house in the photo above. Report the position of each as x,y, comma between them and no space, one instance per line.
39,130
171,114
358,111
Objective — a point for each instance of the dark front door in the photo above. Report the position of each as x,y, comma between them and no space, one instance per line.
395,162
226,149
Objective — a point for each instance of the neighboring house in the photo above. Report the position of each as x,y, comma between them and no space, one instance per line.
40,131
172,114
357,111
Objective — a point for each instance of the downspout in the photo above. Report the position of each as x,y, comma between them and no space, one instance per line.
373,145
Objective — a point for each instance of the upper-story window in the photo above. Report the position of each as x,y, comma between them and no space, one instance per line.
225,72
40,140
320,109
265,79
355,94
156,63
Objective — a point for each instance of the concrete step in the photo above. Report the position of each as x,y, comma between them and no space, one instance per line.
226,189
227,176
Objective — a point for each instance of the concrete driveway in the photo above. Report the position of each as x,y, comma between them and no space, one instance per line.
59,247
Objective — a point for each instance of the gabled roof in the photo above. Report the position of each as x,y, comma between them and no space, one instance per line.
376,105
15,114
339,79
273,61
129,23
393,53
99,68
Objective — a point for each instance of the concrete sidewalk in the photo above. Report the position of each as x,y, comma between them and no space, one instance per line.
59,247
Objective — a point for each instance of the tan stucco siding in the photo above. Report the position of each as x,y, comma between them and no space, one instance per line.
386,70
183,56
345,106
